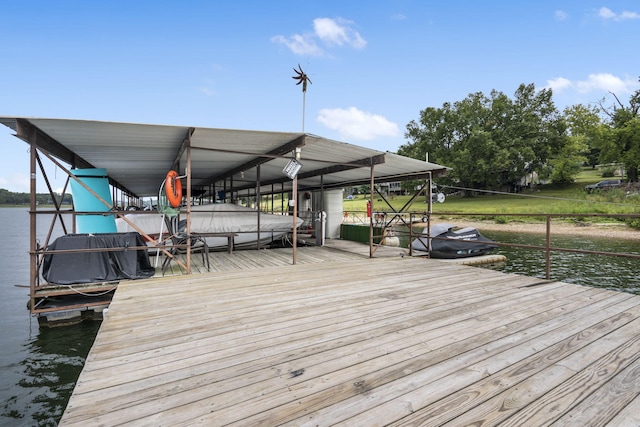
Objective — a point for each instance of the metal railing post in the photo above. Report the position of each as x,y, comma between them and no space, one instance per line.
548,248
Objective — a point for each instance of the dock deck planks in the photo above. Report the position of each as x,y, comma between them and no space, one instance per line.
339,339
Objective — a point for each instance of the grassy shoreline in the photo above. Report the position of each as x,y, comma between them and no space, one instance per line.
528,207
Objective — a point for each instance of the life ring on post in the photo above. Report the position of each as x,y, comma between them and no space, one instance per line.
173,189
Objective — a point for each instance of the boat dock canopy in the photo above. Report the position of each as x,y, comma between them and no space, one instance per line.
137,157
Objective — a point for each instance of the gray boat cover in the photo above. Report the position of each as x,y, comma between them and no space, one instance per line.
96,267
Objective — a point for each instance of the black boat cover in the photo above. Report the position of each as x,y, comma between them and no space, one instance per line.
447,243
96,267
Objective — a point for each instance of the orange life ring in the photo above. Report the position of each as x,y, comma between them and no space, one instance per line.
173,189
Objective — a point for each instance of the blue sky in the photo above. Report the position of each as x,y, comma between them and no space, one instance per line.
373,65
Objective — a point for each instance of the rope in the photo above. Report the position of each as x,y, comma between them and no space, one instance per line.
70,287
164,207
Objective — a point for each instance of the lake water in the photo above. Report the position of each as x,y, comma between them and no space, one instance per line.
591,270
40,366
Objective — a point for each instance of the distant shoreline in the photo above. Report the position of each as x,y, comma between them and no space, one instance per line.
604,230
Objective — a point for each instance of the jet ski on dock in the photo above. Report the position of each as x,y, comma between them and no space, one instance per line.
445,242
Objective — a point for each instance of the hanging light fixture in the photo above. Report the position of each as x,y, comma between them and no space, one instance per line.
292,168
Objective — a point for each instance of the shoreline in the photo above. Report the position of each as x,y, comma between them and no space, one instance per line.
602,230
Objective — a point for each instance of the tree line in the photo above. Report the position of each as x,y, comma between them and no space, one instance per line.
492,142
10,198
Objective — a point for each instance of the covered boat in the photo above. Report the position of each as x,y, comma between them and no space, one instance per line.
220,218
445,242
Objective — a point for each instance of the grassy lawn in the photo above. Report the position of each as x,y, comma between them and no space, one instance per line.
543,200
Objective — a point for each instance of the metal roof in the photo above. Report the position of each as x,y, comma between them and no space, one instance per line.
137,157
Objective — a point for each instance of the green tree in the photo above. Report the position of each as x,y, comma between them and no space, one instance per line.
364,189
489,142
621,143
10,198
585,122
627,139
581,145
568,163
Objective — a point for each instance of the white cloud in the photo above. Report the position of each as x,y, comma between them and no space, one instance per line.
558,84
561,15
605,81
629,15
355,124
607,14
600,82
338,32
300,44
329,32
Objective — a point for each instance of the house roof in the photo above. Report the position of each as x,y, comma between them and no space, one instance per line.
137,157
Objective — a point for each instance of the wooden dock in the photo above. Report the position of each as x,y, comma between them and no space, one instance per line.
347,340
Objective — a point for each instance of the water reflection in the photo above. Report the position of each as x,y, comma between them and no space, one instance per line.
592,270
48,373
